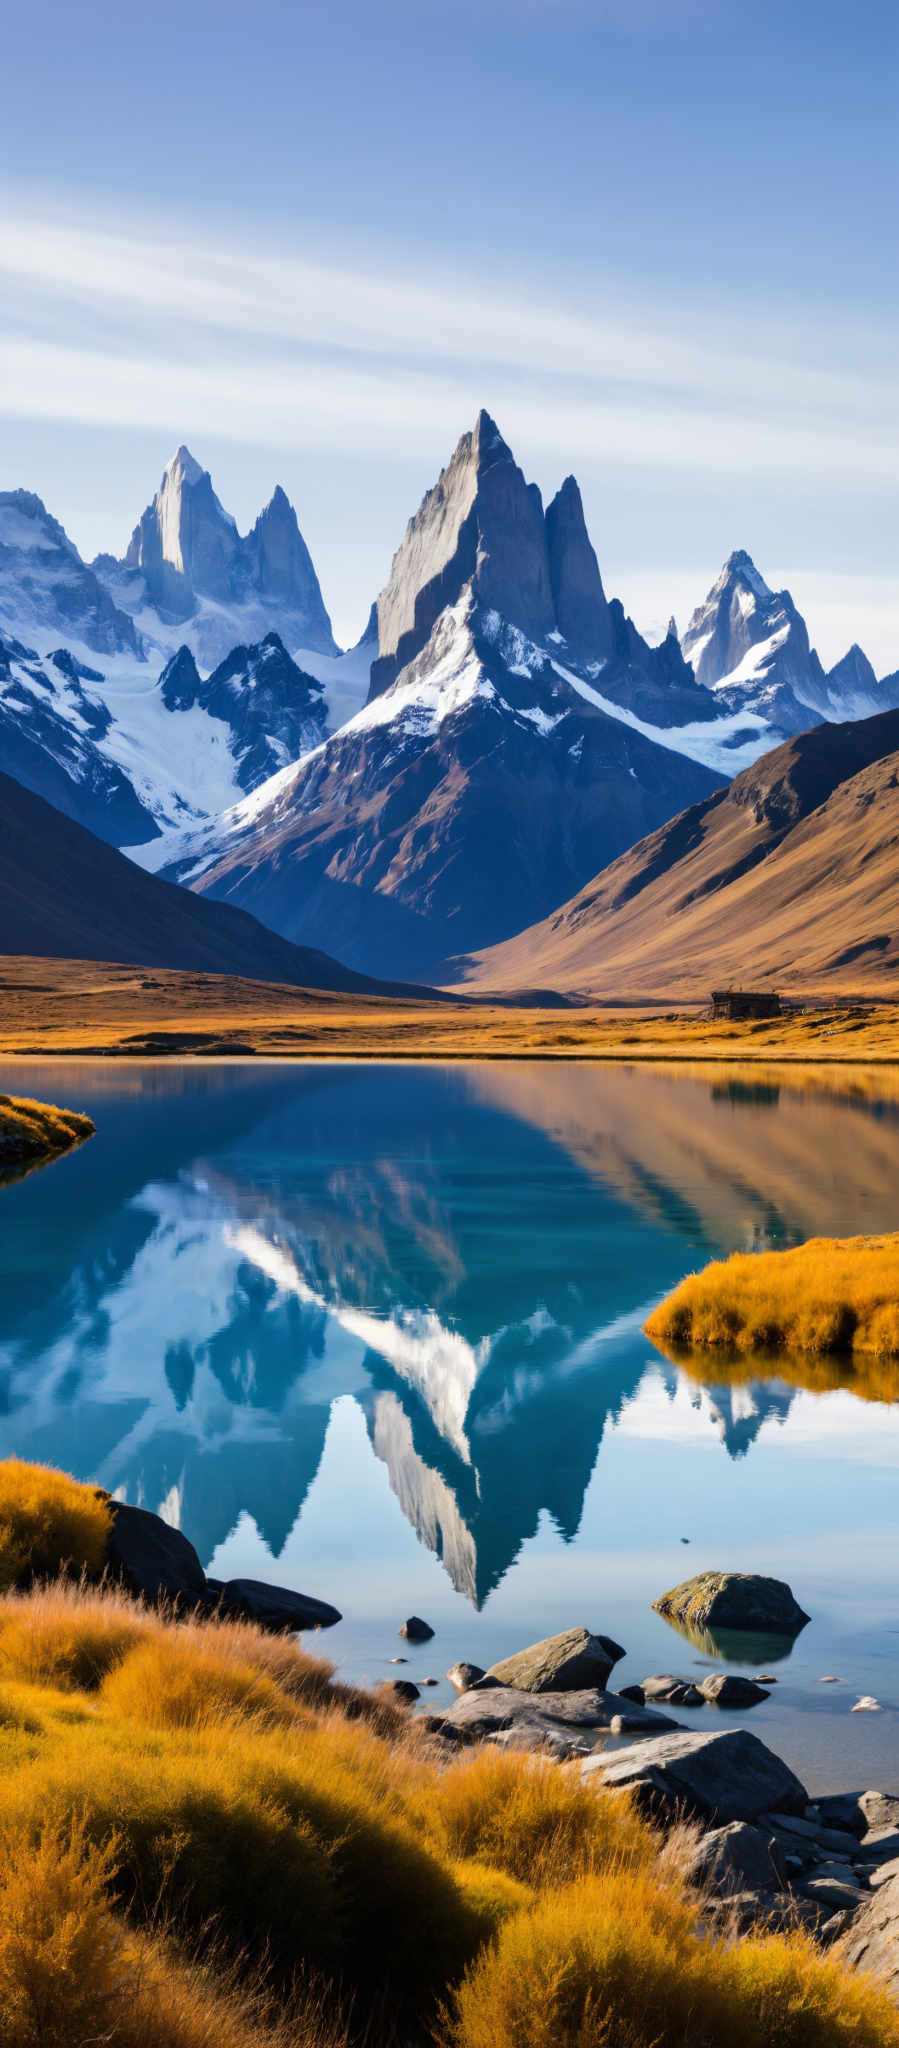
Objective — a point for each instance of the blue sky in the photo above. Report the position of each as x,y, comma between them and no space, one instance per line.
657,241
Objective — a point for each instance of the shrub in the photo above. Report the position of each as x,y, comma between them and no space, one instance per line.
829,1295
49,1523
174,1683
525,1816
615,1962
62,1635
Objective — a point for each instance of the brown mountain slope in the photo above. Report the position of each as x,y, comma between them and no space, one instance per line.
66,894
788,878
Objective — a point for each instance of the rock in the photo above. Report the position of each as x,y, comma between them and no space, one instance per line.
538,1738
154,1560
726,1689
830,1894
866,1705
415,1630
633,1692
733,1600
397,1660
430,1681
277,1608
872,1942
483,1711
836,1840
764,1678
734,1858
841,1810
731,1776
830,1680
563,1663
880,1809
677,1692
463,1675
401,1690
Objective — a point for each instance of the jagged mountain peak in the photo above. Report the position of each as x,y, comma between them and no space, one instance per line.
185,466
740,564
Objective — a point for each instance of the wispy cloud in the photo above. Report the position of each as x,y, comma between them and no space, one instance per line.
141,327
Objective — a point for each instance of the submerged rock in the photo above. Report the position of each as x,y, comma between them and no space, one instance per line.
563,1663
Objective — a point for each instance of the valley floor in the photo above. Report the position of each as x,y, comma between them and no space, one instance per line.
84,1007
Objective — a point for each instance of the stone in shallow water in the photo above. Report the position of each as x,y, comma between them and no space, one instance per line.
415,1630
463,1675
401,1690
677,1692
728,1689
731,1776
277,1608
563,1663
483,1711
733,1600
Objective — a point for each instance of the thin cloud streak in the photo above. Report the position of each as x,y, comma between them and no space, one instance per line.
261,347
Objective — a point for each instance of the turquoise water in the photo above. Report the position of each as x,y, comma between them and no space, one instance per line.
375,1332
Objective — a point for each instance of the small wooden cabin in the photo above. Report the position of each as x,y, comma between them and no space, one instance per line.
742,1003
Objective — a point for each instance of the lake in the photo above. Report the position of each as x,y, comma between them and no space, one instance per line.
375,1332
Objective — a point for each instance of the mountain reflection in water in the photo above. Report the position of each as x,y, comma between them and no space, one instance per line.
469,1253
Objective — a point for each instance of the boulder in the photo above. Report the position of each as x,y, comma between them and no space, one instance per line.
872,1942
677,1692
731,1776
633,1692
153,1559
735,1858
842,1810
565,1663
726,1689
415,1630
733,1600
276,1607
880,1809
484,1710
463,1676
401,1690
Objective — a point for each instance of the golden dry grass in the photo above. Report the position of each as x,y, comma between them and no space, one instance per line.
49,1523
190,1807
831,1295
32,1132
82,1007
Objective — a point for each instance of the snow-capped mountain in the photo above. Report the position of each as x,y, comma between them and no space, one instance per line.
187,566
516,725
750,645
274,711
46,589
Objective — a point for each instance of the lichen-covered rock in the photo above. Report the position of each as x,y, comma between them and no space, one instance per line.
565,1663
733,1600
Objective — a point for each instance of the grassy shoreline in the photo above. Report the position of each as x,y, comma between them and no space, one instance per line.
831,1297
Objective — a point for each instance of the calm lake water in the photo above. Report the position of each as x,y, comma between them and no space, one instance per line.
375,1332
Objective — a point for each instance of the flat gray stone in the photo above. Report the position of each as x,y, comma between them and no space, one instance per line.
565,1663
872,1942
726,1776
835,1840
506,1706
831,1894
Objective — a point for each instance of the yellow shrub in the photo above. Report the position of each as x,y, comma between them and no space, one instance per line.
48,1524
62,1635
615,1962
542,1825
177,1684
829,1295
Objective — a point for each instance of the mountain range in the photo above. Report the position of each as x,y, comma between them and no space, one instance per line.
790,876
501,733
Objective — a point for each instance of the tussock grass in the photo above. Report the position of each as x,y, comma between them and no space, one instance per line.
615,1962
191,1807
33,1130
49,1523
831,1295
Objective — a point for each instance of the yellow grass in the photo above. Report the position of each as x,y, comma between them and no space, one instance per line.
831,1295
86,1007
48,1523
191,1807
36,1130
